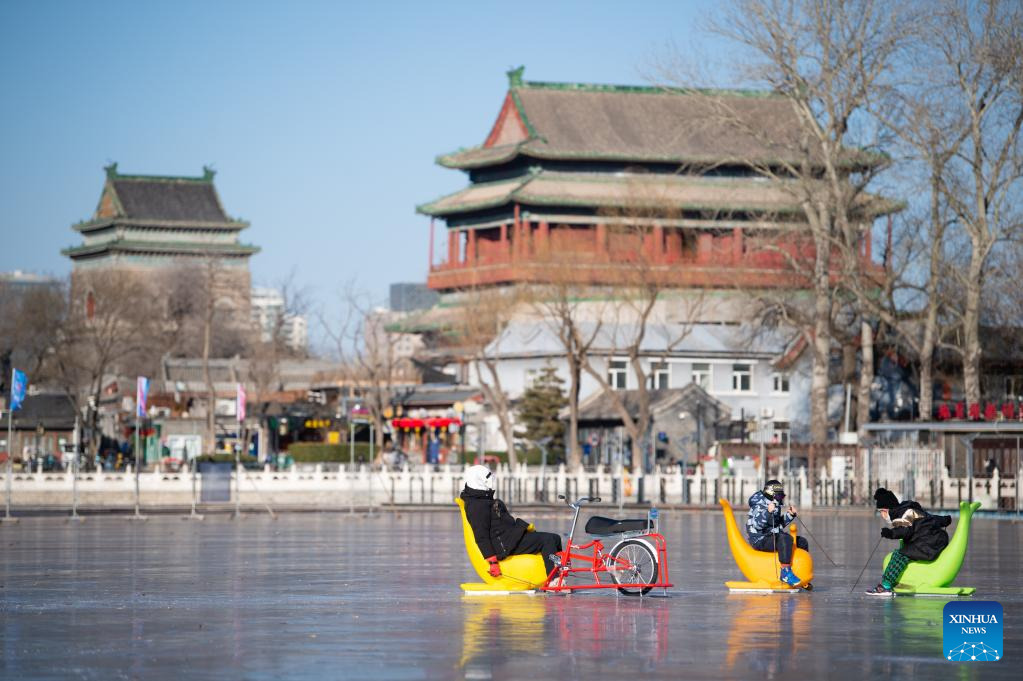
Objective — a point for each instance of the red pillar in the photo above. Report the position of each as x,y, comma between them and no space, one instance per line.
736,244
543,237
704,247
504,242
430,256
601,236
470,247
657,254
516,233
453,237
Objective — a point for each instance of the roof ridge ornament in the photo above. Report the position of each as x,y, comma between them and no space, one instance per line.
515,77
111,170
207,173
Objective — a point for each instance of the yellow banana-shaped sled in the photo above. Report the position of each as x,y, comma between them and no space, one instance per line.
518,573
762,568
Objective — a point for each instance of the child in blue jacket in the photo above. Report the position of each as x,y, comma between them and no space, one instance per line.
767,527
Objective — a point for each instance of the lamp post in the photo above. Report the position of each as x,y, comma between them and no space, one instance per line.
74,472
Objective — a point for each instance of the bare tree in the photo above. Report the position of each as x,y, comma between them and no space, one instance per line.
366,348
831,62
563,306
30,322
483,317
109,330
976,52
270,344
638,323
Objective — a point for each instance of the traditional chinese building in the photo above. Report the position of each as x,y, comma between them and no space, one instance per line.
600,175
593,185
150,223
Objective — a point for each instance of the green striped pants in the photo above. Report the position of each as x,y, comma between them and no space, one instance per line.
896,566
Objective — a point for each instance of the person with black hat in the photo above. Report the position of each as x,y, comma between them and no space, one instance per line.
923,536
766,525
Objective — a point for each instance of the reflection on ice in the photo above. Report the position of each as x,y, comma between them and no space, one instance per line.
324,596
768,633
581,628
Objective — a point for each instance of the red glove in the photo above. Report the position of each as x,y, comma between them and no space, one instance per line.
495,569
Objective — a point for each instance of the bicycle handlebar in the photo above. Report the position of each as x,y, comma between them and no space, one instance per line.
580,501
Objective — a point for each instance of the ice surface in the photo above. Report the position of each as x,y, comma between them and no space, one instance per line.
332,596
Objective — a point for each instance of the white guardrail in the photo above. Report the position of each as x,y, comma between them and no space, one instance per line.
316,486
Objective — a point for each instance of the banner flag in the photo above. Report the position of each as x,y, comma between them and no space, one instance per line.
240,403
141,396
18,385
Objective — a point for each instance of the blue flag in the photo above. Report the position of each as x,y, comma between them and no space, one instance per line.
18,385
141,396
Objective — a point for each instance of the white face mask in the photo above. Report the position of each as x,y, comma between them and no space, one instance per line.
479,478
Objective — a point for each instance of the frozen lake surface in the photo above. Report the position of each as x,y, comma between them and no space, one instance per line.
332,596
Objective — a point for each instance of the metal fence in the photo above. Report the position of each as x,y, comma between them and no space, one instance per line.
910,473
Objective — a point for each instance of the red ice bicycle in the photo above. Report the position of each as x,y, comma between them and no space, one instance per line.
637,563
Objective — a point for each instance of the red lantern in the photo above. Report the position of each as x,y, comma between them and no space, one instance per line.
1009,410
974,410
960,411
944,413
990,413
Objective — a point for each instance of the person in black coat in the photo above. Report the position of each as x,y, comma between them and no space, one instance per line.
923,536
497,532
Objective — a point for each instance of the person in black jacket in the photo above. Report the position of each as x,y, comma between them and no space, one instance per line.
923,536
497,532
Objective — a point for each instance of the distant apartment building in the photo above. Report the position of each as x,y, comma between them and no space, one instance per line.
19,281
270,316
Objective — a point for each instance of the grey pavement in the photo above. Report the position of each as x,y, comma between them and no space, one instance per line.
333,596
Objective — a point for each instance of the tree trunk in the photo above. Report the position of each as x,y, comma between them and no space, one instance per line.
496,397
820,379
866,378
575,454
935,276
971,327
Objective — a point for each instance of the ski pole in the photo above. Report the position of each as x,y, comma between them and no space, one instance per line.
857,582
815,541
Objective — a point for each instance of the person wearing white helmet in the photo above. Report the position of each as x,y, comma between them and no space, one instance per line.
498,533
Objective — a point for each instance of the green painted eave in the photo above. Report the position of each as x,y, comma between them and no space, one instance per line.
106,223
648,89
168,247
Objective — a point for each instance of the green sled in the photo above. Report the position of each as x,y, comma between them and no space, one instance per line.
933,577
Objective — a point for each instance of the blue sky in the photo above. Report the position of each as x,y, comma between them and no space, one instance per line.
321,119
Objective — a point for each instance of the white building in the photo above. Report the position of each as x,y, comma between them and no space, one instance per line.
763,377
269,313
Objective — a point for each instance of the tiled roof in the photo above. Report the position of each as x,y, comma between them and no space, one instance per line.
52,411
169,200
602,407
603,190
699,340
151,197
652,124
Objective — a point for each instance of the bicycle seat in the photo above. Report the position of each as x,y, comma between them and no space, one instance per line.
603,526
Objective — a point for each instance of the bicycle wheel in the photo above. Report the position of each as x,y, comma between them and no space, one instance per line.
633,562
